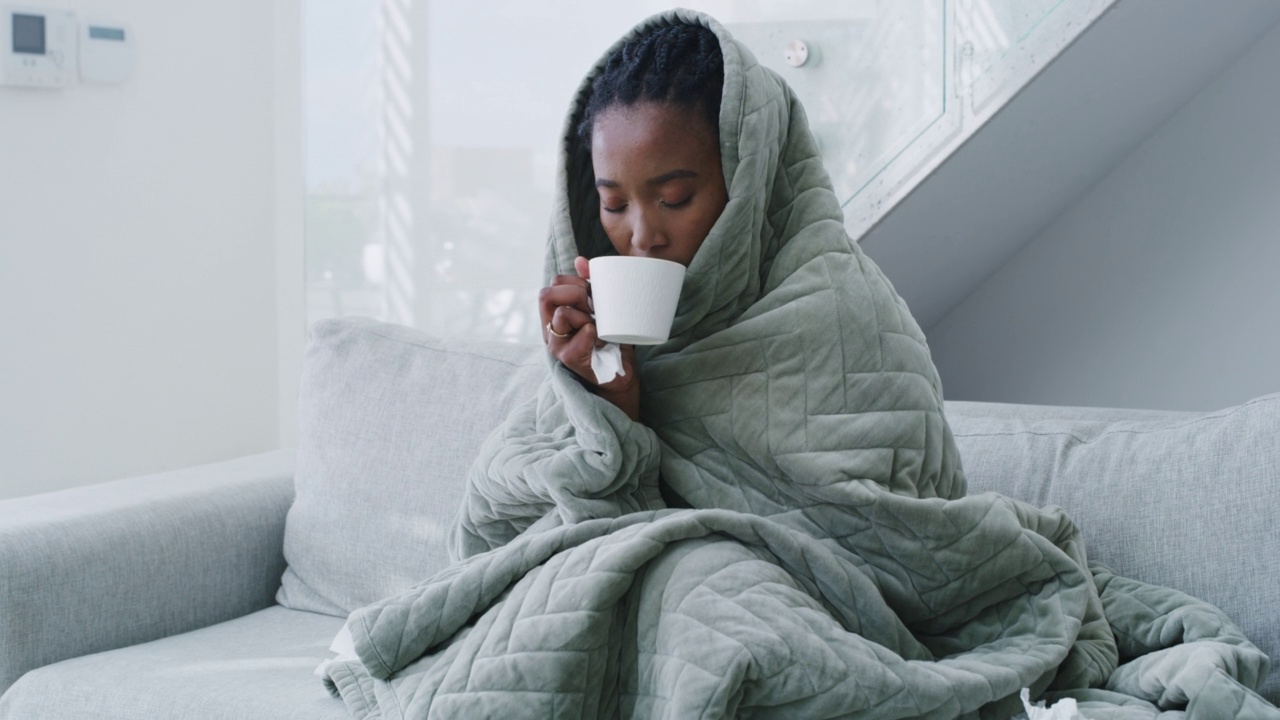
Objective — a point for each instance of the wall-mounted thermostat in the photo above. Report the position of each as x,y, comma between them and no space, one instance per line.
106,52
37,47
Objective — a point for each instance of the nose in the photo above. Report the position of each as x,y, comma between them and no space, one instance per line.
647,235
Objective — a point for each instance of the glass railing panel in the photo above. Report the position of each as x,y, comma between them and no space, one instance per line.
871,75
986,30
993,49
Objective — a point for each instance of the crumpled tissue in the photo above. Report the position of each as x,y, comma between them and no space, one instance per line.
1064,709
344,646
606,363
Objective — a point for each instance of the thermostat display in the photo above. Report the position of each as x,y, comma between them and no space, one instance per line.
106,33
28,34
39,47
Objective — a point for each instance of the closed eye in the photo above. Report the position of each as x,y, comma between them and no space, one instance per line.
678,204
614,210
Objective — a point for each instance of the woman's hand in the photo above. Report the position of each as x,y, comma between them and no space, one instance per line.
570,335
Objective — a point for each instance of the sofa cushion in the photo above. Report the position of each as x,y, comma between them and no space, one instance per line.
256,667
1183,500
389,421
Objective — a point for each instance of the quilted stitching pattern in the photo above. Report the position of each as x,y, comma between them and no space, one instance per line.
832,566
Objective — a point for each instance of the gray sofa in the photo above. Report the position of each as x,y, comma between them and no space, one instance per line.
214,592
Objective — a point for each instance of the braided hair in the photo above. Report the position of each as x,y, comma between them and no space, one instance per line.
677,65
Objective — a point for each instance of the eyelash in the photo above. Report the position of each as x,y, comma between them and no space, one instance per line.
674,205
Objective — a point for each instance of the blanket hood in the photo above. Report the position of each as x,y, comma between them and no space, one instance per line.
759,119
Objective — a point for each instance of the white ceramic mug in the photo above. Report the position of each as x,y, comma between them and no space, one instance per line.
635,298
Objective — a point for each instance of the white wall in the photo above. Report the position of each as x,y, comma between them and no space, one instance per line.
138,277
1158,287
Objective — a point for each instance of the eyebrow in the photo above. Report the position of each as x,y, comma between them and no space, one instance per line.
665,177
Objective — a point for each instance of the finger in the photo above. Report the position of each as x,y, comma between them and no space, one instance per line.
549,298
550,334
569,280
580,349
575,352
584,271
567,319
565,294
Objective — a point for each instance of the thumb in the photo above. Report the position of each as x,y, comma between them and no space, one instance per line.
582,266
588,331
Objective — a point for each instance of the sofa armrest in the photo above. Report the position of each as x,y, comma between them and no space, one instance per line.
104,566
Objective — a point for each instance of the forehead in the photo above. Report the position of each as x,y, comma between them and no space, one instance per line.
650,136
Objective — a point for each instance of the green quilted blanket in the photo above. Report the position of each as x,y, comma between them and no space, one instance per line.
830,564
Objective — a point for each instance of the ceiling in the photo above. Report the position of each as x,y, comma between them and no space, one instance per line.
1120,80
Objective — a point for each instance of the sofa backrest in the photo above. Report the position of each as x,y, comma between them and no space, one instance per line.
1178,499
390,419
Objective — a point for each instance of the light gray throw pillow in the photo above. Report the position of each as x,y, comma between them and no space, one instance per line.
1183,500
389,421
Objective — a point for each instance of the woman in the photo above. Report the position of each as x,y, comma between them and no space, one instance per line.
826,562
652,125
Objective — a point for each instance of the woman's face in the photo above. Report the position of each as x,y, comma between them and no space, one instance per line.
658,173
